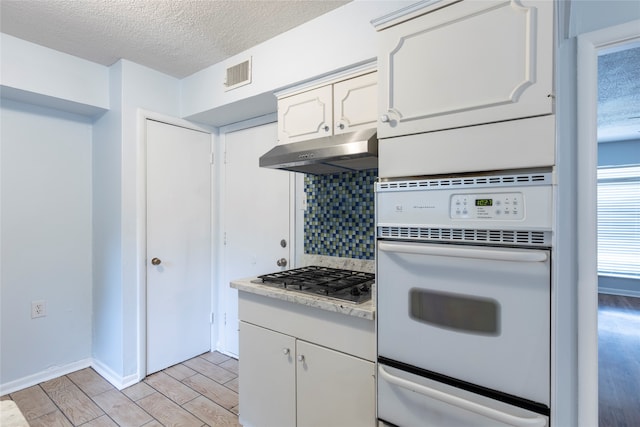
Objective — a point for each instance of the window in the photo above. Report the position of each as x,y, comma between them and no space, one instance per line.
619,221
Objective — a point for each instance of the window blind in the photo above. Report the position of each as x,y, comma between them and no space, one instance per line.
619,221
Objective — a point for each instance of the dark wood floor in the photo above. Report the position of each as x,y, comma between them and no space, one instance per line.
619,361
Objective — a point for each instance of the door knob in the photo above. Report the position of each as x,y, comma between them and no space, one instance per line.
156,261
282,262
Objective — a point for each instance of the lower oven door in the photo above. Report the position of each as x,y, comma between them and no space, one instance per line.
473,314
405,399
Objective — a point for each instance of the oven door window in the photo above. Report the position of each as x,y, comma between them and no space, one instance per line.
461,313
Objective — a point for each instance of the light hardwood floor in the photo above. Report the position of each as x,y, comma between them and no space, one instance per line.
202,391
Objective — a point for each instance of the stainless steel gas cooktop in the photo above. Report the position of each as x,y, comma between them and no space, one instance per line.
347,285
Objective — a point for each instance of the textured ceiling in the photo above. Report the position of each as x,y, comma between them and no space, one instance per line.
176,37
619,94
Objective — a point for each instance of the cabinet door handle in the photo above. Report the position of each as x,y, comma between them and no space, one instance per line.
340,126
497,254
326,128
384,118
301,358
286,351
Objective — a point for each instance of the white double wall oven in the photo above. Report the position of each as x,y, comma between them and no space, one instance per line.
464,299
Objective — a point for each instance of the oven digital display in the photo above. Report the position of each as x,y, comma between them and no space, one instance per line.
484,202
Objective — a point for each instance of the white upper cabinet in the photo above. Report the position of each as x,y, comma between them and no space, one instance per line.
305,116
344,106
469,62
355,104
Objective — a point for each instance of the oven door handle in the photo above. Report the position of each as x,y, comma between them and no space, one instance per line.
462,252
536,421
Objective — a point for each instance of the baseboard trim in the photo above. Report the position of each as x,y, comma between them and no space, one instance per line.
116,380
46,375
107,373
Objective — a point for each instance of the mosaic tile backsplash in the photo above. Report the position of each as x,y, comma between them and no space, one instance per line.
339,220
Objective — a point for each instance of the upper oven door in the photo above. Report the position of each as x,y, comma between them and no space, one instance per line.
476,314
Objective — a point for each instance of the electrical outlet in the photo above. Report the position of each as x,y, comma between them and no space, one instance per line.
38,309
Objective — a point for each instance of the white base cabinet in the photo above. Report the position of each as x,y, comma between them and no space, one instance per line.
267,378
334,389
288,381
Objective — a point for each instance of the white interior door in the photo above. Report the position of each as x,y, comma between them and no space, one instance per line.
178,244
256,217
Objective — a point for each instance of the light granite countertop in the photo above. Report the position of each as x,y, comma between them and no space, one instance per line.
365,310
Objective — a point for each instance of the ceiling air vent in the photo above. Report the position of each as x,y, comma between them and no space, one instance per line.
238,75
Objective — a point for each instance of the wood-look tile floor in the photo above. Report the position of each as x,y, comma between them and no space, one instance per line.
202,391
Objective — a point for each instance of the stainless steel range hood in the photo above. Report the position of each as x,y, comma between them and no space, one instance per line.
331,154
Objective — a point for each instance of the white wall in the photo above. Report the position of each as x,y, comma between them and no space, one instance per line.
592,15
45,241
575,18
142,88
38,75
118,226
332,42
107,253
111,96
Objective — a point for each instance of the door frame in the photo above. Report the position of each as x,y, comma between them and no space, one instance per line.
589,45
141,221
220,291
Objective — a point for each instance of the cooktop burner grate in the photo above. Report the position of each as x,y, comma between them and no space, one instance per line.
349,285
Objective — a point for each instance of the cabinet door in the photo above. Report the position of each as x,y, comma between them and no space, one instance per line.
305,115
355,104
267,377
334,389
468,63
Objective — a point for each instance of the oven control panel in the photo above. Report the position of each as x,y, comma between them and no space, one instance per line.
502,206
